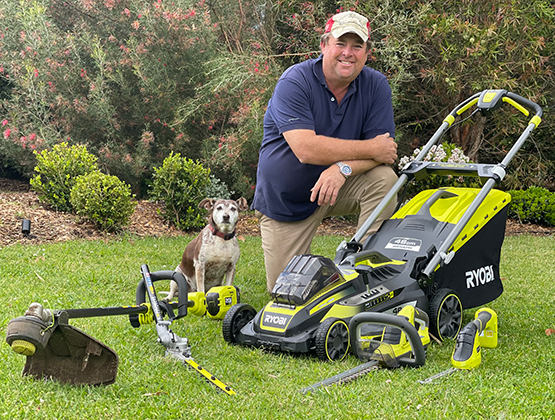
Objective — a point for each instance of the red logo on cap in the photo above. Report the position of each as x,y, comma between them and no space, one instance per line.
329,25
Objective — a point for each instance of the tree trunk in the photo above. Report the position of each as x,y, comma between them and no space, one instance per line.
469,136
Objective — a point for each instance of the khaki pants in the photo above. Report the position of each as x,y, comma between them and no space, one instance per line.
360,194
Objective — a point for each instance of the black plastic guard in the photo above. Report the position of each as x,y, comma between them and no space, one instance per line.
474,271
73,357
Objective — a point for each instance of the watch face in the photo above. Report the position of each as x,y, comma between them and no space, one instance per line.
346,170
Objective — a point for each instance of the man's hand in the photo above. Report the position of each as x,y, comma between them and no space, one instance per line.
386,149
327,187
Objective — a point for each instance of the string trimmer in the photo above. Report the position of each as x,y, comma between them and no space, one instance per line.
59,351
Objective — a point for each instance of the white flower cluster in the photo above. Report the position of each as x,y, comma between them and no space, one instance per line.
436,154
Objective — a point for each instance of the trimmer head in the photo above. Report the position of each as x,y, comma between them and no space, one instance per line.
58,351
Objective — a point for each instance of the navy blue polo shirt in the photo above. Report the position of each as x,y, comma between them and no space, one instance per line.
301,100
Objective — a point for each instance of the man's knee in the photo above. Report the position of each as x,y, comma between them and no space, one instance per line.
384,176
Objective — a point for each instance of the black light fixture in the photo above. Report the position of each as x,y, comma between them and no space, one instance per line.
26,227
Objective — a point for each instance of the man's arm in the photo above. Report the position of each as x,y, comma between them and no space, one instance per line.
314,149
331,180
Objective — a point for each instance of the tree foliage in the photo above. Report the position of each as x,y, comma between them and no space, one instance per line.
137,79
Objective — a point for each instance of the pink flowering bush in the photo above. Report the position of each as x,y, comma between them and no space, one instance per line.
135,81
101,73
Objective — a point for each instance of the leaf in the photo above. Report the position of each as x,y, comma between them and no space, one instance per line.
549,331
241,238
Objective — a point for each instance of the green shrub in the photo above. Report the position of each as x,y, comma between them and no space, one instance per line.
217,189
57,170
103,199
181,184
534,205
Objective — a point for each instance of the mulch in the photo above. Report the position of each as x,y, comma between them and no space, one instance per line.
18,202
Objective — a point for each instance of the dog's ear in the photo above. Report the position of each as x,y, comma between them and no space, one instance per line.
207,204
242,204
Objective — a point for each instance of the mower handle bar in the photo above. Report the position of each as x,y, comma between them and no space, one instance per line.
487,101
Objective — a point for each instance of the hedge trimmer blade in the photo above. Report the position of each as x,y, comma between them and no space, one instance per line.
208,376
344,377
176,346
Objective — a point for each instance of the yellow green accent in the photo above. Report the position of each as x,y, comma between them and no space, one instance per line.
273,308
209,377
516,105
535,120
449,119
450,210
331,300
342,311
392,262
25,348
488,97
468,105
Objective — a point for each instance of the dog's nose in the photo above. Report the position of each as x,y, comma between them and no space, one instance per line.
226,217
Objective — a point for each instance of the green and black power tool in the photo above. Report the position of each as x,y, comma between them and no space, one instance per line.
477,334
215,303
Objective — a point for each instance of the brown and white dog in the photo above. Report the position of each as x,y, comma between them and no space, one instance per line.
213,254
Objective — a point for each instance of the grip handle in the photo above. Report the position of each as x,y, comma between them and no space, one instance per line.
182,291
467,353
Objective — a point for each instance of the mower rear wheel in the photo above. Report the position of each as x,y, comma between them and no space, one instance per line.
446,313
332,340
235,319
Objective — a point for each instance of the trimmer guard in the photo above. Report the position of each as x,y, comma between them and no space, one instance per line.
68,356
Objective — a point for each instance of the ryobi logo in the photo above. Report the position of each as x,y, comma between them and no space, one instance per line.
275,320
480,276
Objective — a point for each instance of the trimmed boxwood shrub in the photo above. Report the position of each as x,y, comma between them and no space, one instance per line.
534,205
181,184
103,199
57,170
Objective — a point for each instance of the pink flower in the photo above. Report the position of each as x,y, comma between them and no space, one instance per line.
32,136
7,133
4,122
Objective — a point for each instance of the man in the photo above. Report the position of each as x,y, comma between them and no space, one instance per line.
328,136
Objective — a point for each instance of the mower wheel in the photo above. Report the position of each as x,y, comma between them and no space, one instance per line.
446,313
332,340
235,319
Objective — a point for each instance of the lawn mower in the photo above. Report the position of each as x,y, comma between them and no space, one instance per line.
439,252
56,350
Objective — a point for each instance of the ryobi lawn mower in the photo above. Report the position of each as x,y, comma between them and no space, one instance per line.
439,252
56,350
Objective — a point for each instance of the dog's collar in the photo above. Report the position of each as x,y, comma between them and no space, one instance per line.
224,236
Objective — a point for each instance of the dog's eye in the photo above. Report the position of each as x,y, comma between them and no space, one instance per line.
220,208
233,209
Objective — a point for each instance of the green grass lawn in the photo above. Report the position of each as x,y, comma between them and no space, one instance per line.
514,381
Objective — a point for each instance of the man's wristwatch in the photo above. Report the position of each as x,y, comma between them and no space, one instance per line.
345,169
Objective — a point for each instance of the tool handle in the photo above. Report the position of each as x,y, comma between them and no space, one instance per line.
394,321
182,291
467,353
482,320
